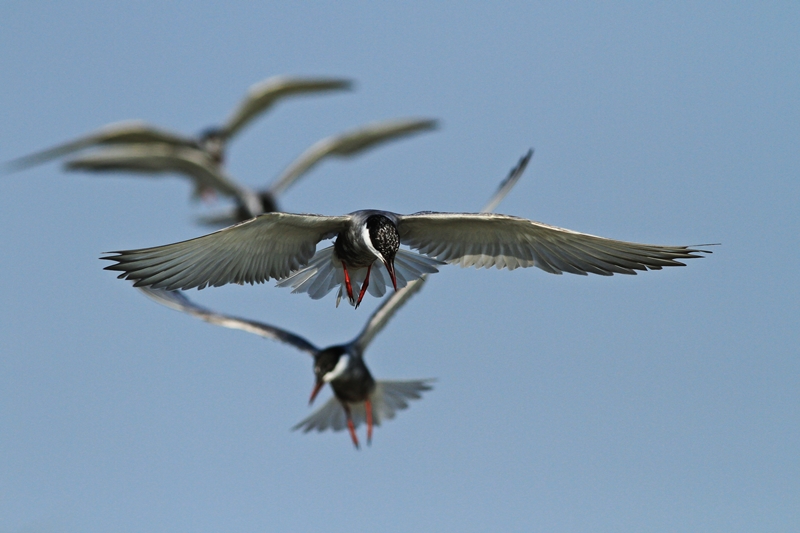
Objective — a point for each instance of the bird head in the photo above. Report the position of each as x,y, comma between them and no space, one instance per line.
329,364
385,239
212,141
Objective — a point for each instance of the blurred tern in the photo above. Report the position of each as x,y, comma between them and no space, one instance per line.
357,396
212,141
283,246
208,176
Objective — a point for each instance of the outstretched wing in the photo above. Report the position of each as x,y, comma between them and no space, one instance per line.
159,159
387,398
349,144
486,240
263,95
129,131
269,246
178,301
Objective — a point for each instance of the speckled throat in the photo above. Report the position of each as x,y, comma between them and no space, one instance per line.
352,250
384,236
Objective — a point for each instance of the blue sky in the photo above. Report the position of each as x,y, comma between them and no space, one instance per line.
666,401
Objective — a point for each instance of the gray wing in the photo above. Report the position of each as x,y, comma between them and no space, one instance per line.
486,240
507,184
268,246
350,144
388,398
263,95
161,159
178,301
129,131
384,313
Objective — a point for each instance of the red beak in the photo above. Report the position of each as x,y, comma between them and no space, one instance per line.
390,269
316,390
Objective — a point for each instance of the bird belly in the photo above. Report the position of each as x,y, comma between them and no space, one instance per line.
355,387
353,253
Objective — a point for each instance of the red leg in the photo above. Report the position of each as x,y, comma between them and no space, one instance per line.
368,407
350,426
364,287
347,283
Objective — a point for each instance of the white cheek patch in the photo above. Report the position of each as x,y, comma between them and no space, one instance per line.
368,242
338,370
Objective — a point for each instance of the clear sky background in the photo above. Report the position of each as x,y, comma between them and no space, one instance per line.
668,401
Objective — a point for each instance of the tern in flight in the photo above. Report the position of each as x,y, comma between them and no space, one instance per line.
283,246
211,142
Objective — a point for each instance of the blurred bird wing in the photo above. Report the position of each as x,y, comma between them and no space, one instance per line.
269,246
507,184
263,95
162,158
348,144
178,301
129,131
486,240
330,415
384,313
387,398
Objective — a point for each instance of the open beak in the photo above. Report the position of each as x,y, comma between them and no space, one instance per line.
390,269
316,390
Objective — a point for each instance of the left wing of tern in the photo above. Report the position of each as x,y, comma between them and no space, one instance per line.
179,302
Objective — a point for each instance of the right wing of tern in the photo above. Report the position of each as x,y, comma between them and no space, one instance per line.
269,246
129,131
179,302
349,144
